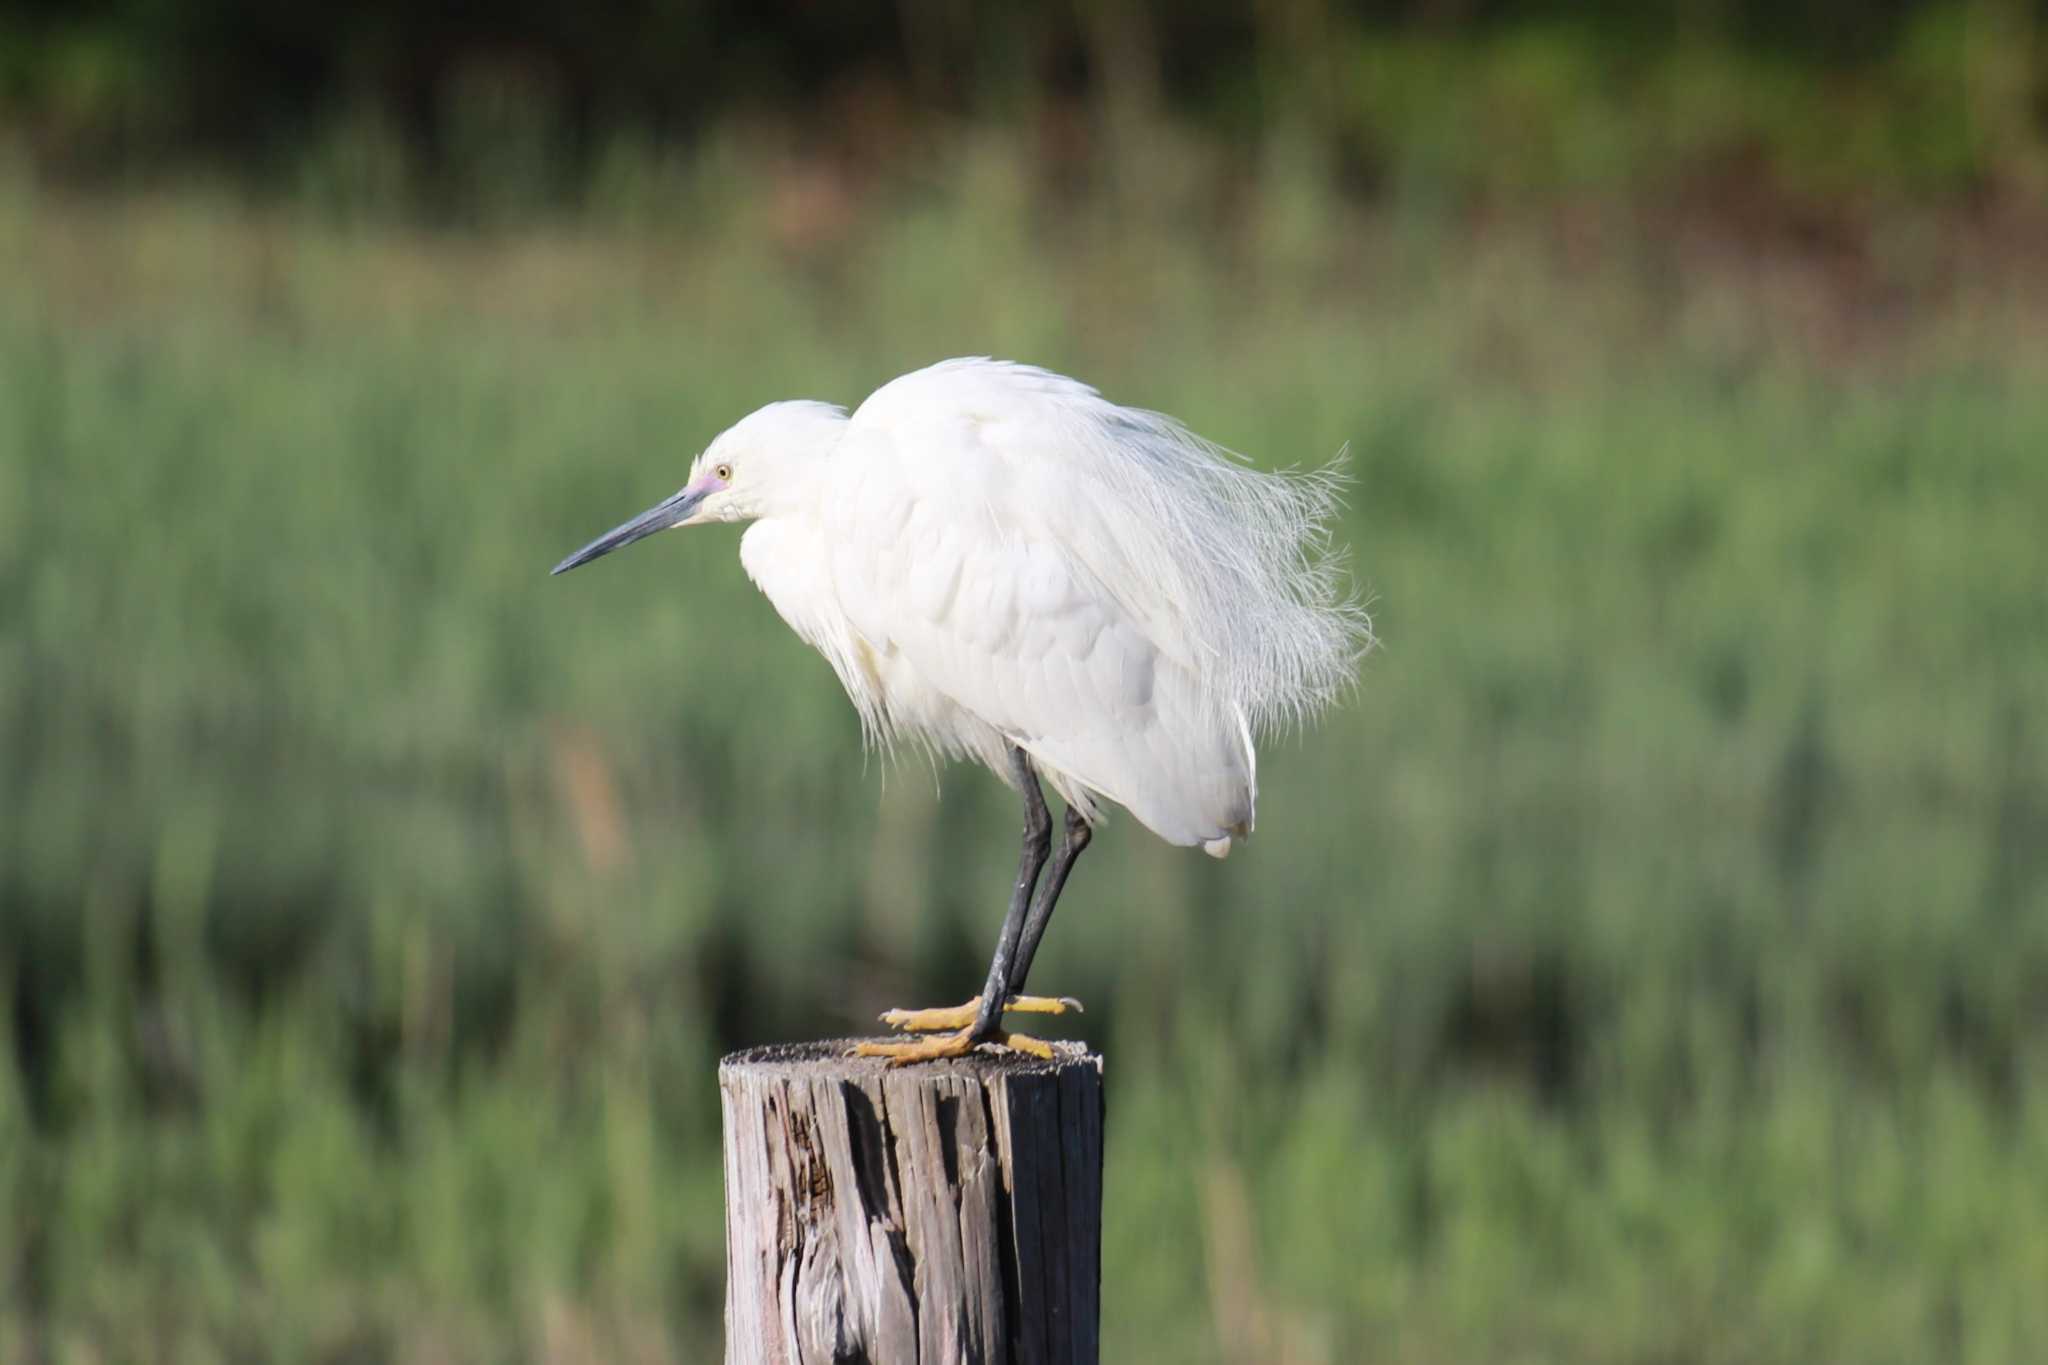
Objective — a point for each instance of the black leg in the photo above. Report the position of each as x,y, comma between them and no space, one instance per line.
1078,835
1037,846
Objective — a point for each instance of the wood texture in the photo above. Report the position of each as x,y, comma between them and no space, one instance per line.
937,1214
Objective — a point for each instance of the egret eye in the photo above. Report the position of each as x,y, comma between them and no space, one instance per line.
723,472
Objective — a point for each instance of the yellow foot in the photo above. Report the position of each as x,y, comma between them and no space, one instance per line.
944,1045
961,1016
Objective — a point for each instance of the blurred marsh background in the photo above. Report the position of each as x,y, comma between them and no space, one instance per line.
1650,963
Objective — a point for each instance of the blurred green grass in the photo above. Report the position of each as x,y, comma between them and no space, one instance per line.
1646,964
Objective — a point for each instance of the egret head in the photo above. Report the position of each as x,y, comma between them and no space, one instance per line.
755,468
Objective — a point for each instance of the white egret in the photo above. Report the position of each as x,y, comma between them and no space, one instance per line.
1002,565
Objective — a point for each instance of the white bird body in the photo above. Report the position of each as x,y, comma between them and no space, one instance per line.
983,563
1002,565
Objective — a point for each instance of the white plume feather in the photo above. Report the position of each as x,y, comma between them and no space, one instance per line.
1232,566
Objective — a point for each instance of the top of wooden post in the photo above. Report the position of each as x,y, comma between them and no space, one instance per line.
941,1213
835,1057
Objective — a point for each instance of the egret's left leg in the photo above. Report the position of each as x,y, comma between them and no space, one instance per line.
979,1020
975,1021
1078,833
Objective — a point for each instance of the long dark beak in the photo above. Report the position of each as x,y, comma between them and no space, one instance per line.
659,517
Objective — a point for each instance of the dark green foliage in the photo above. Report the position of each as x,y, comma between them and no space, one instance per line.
479,111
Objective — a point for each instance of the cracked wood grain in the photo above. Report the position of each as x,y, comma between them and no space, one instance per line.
940,1214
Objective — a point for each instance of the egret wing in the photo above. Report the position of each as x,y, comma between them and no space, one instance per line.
956,563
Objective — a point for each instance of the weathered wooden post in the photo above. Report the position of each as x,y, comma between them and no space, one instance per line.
945,1213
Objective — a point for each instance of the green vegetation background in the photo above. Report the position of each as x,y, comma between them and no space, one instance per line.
1649,962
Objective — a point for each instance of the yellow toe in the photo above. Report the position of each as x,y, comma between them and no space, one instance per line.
933,1020
1042,1004
1021,1042
961,1016
941,1046
936,1048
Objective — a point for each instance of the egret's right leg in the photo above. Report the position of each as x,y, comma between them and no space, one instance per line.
1079,832
979,1020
